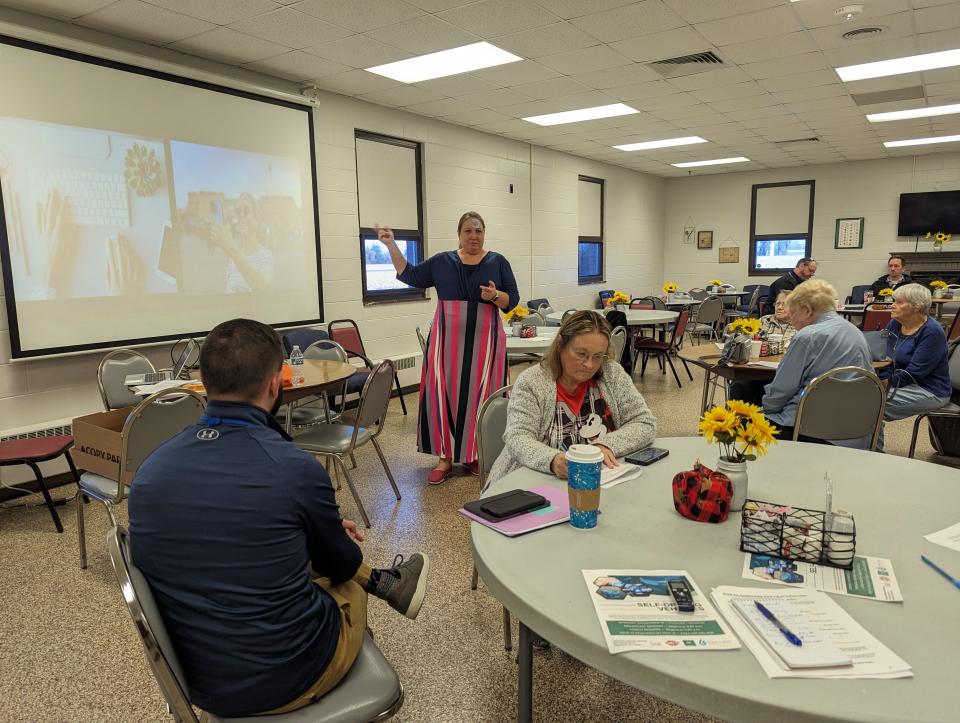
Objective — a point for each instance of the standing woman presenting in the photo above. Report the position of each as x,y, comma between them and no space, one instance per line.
466,358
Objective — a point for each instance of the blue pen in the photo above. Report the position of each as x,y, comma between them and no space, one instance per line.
780,626
953,581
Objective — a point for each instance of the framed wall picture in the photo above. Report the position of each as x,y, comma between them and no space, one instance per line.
705,239
729,254
849,233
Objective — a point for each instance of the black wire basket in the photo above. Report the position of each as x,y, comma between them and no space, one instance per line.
796,533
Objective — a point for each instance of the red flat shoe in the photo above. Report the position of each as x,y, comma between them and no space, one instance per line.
438,476
473,468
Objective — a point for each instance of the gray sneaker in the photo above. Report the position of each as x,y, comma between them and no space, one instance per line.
404,585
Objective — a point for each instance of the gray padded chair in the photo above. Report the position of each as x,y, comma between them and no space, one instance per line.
698,294
751,307
111,372
566,314
843,403
307,413
337,441
154,420
618,340
371,691
491,425
706,318
952,409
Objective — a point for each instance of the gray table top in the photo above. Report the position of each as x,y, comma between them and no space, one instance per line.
895,501
536,345
635,317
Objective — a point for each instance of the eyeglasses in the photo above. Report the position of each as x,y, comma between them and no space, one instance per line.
585,356
781,303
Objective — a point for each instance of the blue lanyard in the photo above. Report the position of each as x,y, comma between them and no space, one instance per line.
215,421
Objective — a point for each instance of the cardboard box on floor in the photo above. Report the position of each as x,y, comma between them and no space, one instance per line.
97,441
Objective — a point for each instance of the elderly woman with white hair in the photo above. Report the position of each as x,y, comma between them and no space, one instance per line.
918,379
823,341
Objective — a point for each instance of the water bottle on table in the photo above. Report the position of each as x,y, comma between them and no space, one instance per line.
583,484
296,366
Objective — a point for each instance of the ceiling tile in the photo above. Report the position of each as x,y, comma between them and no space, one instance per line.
425,34
221,12
667,44
588,99
456,85
58,8
553,88
524,71
477,116
298,66
808,79
358,51
942,17
230,46
585,60
356,82
819,14
491,18
360,15
804,94
677,100
548,40
639,18
868,52
494,98
435,6
729,92
577,8
785,66
638,91
291,28
141,21
699,11
612,77
402,95
742,113
777,46
442,107
752,26
894,26
696,110
941,40
713,78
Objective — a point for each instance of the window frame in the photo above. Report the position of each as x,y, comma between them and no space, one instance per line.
585,280
373,297
754,237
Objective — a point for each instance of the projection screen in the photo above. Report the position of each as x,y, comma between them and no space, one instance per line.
139,206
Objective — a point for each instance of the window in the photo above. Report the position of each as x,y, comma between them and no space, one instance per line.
389,192
781,226
590,230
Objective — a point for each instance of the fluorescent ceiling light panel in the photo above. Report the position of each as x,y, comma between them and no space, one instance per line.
583,114
896,115
446,62
922,141
665,143
714,162
898,66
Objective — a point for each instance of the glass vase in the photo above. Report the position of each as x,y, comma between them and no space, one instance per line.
736,472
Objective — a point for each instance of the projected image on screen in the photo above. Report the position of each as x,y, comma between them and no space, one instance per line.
239,217
781,253
86,210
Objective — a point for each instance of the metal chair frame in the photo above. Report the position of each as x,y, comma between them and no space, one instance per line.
875,308
829,377
103,364
948,412
361,353
664,349
32,462
423,343
696,317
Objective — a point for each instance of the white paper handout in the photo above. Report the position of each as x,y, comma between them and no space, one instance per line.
871,577
637,612
624,472
146,389
825,620
950,537
815,650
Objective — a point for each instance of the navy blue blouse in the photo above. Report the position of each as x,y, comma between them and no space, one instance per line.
457,281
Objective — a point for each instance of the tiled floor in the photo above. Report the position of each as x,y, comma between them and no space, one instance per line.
68,651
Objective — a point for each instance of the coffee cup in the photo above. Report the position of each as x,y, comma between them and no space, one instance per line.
583,484
755,346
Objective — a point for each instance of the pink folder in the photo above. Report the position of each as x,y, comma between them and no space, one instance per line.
558,511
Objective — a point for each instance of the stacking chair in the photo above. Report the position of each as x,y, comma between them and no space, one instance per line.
112,371
423,342
155,420
875,317
347,334
706,318
306,413
856,294
33,451
535,304
951,410
338,441
371,691
641,305
698,294
302,338
491,424
663,349
566,314
954,331
745,310
843,403
618,340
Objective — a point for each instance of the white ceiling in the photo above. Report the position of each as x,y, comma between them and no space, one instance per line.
776,83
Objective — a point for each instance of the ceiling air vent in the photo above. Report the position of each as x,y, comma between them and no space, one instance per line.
797,141
914,92
686,64
862,33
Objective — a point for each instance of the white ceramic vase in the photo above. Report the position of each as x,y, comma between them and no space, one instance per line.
737,473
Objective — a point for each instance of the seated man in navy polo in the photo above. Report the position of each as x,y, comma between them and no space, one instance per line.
226,521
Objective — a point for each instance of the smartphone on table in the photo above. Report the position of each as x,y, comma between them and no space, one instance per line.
647,456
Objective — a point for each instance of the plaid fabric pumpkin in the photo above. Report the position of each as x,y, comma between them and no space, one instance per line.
701,494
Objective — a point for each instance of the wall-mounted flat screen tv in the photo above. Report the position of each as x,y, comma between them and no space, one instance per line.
935,211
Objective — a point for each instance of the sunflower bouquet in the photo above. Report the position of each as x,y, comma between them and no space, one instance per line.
669,287
938,284
939,238
619,297
741,430
745,325
715,282
885,294
516,313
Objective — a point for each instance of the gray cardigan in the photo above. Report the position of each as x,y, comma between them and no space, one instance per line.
533,401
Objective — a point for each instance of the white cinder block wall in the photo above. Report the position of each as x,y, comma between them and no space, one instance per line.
535,227
871,189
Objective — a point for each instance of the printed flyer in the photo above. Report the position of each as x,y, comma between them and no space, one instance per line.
871,577
637,612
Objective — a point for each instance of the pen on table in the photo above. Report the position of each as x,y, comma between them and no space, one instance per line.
780,626
953,581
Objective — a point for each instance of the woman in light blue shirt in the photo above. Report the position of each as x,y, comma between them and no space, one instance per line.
823,342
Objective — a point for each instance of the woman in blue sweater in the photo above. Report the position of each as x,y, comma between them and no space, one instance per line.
918,380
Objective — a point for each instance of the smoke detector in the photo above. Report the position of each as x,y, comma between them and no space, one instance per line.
848,12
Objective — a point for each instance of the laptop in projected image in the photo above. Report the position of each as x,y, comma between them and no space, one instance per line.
133,380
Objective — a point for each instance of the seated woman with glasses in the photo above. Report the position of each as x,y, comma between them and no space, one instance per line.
775,324
576,395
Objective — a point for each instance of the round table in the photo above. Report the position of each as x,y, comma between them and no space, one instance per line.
635,317
535,345
895,500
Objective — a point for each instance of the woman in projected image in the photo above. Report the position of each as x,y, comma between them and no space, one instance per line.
250,262
466,354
